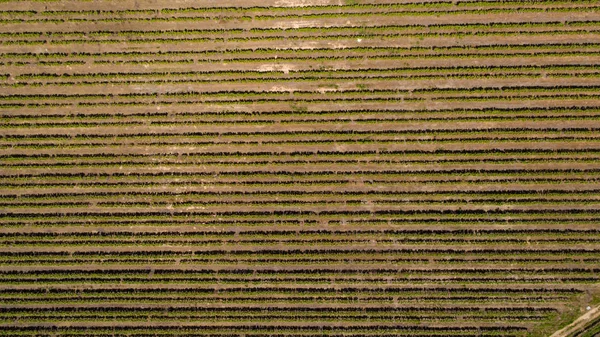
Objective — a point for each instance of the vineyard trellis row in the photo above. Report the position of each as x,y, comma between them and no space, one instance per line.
341,168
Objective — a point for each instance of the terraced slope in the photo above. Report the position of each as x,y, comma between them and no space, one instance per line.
298,168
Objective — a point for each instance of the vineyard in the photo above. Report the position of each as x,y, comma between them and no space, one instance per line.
299,168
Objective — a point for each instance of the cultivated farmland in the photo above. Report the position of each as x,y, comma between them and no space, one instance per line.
298,167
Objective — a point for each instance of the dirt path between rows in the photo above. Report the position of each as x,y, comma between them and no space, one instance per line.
579,323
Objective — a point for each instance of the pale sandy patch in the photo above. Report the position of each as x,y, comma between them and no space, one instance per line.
297,24
285,68
302,3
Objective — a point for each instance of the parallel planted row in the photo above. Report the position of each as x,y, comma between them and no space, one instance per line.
294,168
